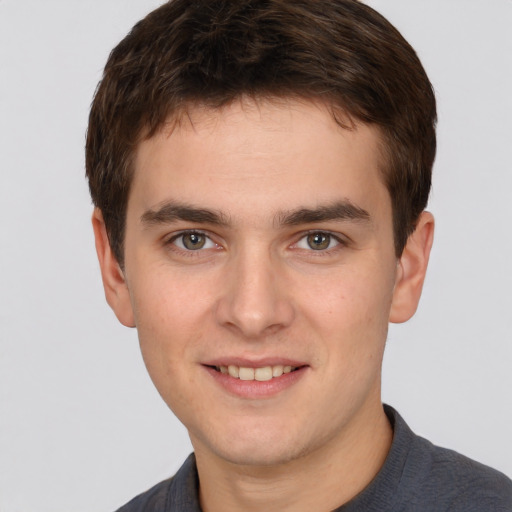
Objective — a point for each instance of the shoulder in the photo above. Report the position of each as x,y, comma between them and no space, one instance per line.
152,500
181,492
420,476
455,482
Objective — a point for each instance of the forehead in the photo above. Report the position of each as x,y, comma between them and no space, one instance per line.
259,157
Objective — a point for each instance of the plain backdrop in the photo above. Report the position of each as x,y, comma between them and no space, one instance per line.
81,427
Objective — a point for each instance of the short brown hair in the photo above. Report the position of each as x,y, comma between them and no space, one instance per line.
210,52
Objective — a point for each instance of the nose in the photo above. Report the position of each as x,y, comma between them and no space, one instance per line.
254,302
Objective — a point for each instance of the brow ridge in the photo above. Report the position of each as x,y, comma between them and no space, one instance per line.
340,210
171,211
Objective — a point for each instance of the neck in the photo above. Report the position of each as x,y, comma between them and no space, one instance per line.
321,480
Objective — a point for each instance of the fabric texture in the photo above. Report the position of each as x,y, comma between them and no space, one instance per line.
416,477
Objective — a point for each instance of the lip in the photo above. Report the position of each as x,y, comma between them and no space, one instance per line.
253,389
255,363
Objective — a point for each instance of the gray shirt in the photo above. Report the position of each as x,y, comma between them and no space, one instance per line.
416,477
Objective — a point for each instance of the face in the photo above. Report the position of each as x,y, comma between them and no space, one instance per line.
260,273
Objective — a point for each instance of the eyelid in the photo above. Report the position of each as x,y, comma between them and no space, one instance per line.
170,240
341,241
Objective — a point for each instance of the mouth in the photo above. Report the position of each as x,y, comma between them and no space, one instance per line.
260,374
251,380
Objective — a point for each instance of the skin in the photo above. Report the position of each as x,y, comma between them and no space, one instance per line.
256,291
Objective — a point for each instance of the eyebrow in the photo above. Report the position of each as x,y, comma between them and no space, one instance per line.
340,211
169,212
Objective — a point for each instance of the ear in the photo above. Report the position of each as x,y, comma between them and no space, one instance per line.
114,283
411,271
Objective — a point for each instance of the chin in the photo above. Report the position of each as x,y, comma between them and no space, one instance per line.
253,446
260,454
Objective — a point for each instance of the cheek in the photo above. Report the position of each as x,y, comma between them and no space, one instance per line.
355,300
350,315
169,317
171,329
168,305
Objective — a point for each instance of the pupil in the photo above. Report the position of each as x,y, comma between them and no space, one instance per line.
318,241
193,241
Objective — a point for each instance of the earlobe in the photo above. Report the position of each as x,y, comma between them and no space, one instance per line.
412,268
114,283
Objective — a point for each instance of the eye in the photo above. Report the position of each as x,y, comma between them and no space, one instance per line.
318,241
193,241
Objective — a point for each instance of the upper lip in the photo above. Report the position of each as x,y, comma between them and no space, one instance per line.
254,363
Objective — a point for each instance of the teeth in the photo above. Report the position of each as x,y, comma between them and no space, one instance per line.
246,373
233,371
260,374
263,374
277,371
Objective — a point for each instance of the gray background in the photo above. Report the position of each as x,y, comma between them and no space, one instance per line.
81,427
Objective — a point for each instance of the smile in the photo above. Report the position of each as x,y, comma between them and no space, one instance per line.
261,374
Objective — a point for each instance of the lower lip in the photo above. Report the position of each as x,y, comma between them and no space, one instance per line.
254,389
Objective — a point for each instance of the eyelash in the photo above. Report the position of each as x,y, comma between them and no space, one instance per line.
171,242
340,243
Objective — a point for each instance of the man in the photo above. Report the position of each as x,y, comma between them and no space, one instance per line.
260,171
